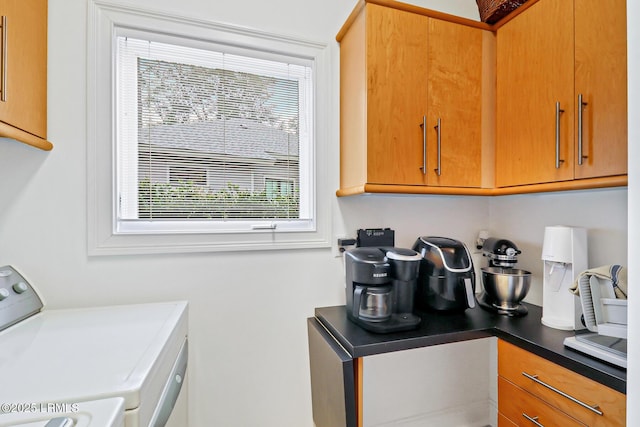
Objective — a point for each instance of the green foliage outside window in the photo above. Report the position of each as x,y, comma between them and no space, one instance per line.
191,201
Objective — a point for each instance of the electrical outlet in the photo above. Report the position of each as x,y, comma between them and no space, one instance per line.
482,236
342,243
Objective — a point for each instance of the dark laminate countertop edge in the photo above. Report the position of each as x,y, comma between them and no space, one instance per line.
416,342
437,328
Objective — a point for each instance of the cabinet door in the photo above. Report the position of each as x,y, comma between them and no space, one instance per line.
601,79
24,65
529,372
396,58
333,387
455,88
441,385
505,422
535,70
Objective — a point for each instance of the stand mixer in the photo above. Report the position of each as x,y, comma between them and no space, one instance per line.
504,285
500,252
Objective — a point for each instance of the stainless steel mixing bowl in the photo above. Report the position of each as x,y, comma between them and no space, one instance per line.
506,287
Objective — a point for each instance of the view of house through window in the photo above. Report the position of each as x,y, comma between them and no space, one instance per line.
211,135
279,188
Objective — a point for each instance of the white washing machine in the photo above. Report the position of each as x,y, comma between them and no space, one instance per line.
57,361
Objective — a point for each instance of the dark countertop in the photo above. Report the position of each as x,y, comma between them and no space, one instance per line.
526,332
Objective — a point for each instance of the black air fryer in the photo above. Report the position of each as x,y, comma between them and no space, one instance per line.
447,280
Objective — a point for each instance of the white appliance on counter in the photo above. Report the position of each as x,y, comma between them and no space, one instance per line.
605,317
53,358
564,255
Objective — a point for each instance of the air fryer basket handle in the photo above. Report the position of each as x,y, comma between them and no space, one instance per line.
468,287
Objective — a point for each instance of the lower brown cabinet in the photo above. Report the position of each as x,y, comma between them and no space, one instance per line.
532,391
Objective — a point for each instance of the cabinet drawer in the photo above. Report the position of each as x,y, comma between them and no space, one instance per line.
517,404
520,367
505,422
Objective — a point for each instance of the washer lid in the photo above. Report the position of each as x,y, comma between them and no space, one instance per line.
90,354
99,413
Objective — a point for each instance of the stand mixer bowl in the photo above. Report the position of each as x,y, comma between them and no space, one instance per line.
506,287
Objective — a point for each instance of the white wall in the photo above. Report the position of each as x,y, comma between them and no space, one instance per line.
523,218
248,364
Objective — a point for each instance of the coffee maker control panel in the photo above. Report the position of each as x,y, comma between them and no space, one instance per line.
367,266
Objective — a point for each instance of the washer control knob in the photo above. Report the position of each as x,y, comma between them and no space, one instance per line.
20,287
4,276
3,293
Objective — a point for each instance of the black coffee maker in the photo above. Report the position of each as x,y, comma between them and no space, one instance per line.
380,288
447,279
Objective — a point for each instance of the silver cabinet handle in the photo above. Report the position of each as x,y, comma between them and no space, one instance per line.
558,112
535,379
3,66
438,129
581,105
534,420
423,125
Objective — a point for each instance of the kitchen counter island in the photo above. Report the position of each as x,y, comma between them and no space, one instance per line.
350,343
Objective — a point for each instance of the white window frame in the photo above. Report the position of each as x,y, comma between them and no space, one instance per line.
107,235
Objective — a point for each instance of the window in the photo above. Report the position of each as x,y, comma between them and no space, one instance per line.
279,188
179,174
203,137
187,113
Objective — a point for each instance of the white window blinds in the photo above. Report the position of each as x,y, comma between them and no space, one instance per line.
214,138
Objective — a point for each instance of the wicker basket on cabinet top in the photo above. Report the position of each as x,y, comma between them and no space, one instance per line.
491,11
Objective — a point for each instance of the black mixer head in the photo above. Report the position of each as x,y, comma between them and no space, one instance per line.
501,252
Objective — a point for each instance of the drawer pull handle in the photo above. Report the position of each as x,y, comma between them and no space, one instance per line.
4,56
594,408
532,419
558,112
438,129
581,107
424,145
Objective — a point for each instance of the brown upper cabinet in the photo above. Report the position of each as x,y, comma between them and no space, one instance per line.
456,106
562,93
411,101
437,104
23,71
